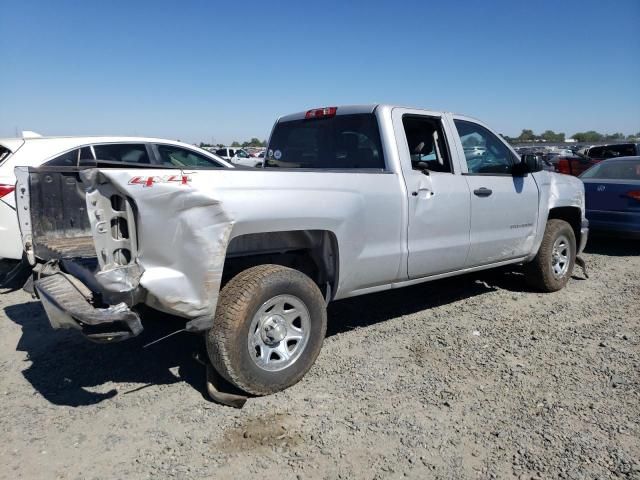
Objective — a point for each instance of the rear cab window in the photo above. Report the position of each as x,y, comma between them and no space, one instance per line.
350,141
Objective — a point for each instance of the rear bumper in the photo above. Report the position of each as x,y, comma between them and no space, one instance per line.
66,307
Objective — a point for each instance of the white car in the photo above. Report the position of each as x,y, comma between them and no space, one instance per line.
472,152
238,156
34,150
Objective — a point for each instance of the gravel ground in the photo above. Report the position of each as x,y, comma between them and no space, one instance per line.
473,377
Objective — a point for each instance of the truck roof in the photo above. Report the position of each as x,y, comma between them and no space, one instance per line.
353,109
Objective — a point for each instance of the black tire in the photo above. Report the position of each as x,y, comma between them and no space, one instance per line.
540,272
239,301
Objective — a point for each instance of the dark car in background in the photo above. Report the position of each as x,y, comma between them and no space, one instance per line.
574,164
614,150
612,196
581,160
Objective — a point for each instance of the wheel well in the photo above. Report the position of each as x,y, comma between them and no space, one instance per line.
313,252
571,215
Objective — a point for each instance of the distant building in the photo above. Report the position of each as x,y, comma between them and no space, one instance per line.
570,140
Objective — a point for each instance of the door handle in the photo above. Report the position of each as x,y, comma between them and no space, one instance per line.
483,192
427,193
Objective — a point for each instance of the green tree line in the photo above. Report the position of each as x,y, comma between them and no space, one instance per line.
254,142
583,137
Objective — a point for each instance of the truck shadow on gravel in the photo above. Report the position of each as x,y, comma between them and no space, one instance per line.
67,369
362,311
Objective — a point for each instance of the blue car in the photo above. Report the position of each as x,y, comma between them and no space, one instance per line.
612,195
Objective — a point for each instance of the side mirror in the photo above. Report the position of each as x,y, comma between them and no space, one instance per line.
529,163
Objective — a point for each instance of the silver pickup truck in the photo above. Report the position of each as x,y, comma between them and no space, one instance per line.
350,200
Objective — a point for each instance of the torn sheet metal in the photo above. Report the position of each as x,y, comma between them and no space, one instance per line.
182,234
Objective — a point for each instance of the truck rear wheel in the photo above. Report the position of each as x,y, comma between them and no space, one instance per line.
268,330
551,269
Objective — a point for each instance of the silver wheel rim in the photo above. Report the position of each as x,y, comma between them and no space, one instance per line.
560,256
279,333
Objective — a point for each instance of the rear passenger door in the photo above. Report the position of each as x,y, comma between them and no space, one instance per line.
438,195
504,207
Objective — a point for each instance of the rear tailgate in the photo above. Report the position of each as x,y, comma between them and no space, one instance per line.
60,225
53,216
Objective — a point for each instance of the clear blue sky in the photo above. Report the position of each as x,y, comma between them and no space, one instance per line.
197,70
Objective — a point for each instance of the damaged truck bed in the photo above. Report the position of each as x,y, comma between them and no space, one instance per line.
351,200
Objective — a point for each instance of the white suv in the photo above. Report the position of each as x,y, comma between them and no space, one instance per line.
239,156
33,150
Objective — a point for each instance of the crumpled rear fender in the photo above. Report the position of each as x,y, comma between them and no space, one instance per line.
178,237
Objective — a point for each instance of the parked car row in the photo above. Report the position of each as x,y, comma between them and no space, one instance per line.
578,159
240,156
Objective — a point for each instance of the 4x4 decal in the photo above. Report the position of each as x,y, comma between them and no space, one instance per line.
149,181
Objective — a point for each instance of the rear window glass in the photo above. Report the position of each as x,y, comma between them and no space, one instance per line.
340,142
124,152
615,170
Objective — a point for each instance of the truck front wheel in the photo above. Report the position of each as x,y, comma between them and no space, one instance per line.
551,269
268,330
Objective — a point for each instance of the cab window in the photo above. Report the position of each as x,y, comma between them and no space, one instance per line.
427,144
484,152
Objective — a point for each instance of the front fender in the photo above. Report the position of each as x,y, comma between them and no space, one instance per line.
556,190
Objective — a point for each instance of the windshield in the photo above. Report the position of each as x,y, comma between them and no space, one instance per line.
340,142
615,170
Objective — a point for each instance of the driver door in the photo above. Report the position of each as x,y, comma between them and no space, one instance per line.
504,207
